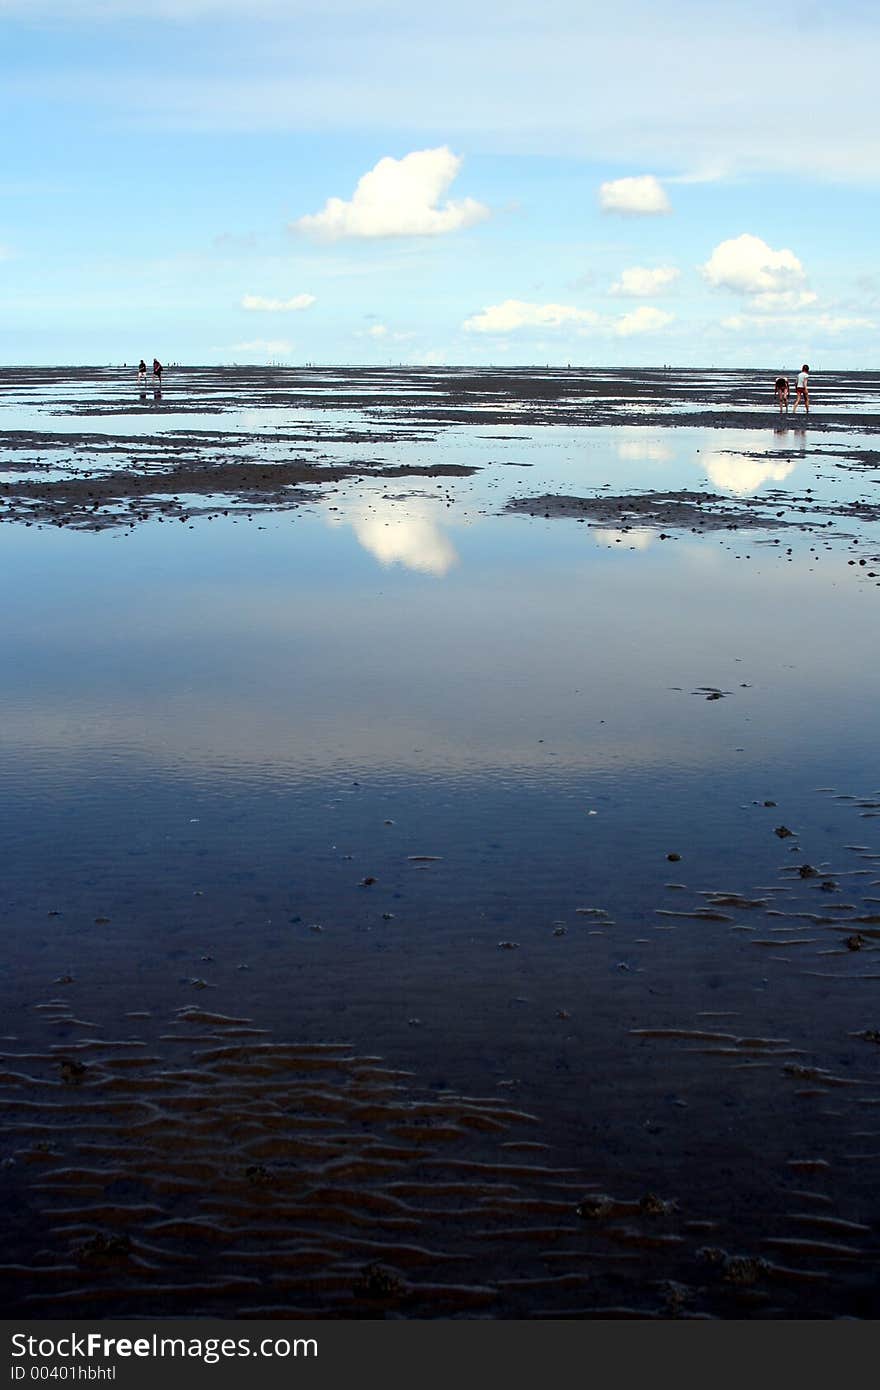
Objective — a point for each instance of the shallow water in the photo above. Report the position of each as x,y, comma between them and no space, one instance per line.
394,768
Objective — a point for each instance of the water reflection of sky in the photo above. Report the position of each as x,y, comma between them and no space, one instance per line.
204,411
549,458
291,649
403,532
325,637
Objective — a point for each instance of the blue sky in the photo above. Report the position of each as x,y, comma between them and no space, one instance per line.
214,181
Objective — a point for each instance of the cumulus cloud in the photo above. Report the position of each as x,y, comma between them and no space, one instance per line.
398,197
641,196
642,281
518,313
277,306
747,265
645,319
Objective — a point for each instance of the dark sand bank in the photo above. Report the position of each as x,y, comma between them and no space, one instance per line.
173,492
695,511
698,512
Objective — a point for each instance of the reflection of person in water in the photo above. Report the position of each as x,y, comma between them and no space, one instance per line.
781,393
803,389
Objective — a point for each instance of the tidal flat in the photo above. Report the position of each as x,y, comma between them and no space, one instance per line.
440,871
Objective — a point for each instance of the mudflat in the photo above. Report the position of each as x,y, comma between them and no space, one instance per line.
440,868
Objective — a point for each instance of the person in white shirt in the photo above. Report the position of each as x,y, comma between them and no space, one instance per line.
803,389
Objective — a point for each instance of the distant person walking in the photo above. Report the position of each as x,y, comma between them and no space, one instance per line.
781,392
142,370
157,371
803,389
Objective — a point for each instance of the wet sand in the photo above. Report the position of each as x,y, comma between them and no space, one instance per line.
59,479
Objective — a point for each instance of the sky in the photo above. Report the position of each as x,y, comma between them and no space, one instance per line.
336,181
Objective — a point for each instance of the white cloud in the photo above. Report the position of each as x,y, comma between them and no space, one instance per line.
398,197
641,281
517,313
641,196
645,319
277,306
271,346
747,265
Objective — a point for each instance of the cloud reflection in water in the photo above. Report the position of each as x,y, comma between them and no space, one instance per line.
744,474
633,450
639,538
411,538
